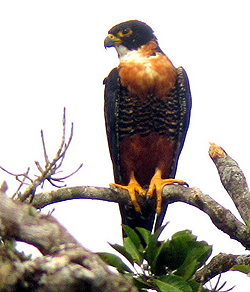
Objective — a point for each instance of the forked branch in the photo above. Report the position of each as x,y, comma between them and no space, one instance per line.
50,169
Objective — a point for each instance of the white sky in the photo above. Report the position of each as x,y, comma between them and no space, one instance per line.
52,55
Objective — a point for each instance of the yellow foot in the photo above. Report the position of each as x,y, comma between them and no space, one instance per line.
157,184
132,187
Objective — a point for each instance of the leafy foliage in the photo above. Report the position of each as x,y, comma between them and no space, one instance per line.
241,268
165,266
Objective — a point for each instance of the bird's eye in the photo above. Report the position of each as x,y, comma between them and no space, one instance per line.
125,32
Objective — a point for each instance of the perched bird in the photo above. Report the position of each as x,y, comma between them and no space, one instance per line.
147,111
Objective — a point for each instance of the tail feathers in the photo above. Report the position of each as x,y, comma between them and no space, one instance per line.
160,217
145,219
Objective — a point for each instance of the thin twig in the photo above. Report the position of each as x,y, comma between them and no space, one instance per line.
63,134
51,167
69,175
44,151
38,166
21,180
25,176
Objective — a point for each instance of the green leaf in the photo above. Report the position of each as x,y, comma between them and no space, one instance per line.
140,283
133,251
187,269
197,254
171,254
134,237
153,247
114,261
158,232
122,250
182,253
145,234
164,287
152,252
172,283
241,268
247,222
196,287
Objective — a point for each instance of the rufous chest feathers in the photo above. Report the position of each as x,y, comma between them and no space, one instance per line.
146,71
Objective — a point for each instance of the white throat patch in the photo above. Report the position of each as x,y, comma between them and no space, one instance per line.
121,50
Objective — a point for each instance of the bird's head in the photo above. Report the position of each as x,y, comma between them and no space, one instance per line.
129,35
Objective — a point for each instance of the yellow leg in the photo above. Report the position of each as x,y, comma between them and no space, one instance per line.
132,187
157,184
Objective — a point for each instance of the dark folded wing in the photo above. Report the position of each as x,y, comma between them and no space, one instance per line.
111,109
183,94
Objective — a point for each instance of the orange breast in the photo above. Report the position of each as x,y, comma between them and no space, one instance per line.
147,71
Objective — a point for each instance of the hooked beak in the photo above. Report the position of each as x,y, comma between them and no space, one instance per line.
111,41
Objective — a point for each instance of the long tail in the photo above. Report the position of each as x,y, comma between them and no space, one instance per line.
145,219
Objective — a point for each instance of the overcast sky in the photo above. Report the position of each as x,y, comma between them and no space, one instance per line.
52,55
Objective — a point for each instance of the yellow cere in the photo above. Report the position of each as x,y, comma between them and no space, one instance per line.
114,38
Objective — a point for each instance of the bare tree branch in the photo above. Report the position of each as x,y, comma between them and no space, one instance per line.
47,172
82,192
233,180
19,177
219,264
222,218
73,269
23,222
50,169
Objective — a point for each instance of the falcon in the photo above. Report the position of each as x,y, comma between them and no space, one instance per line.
147,111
